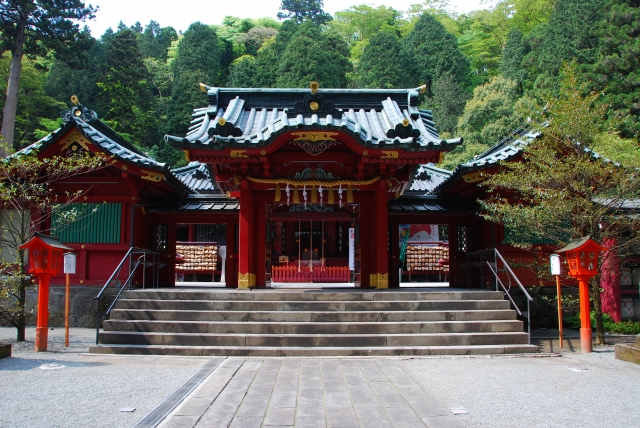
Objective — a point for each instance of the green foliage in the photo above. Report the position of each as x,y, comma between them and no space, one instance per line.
197,61
429,51
490,114
610,326
304,10
124,85
617,69
448,102
512,66
358,24
484,40
155,41
381,65
28,201
49,26
570,36
311,56
33,106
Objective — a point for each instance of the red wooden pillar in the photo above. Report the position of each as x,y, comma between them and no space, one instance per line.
257,262
245,236
380,275
394,253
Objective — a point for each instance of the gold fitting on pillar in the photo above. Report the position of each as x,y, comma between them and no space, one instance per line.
296,196
383,280
373,280
243,280
349,194
252,280
278,193
330,198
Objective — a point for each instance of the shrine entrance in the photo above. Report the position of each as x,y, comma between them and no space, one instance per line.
310,244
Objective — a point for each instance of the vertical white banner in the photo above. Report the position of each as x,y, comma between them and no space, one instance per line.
352,247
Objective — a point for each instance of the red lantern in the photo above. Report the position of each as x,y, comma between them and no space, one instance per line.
45,254
582,257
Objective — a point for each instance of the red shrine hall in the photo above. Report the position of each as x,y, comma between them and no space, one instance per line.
284,187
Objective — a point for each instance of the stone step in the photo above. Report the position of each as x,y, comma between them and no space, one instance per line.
312,340
312,352
251,327
314,306
310,295
308,316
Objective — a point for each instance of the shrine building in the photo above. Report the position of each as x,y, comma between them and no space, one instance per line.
287,186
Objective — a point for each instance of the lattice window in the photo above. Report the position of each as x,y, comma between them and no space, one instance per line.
159,237
465,235
211,233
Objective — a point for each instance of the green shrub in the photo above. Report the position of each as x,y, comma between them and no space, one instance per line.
624,327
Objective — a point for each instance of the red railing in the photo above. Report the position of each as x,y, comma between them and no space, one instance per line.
305,274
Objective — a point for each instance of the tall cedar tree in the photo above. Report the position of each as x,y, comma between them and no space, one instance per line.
124,86
512,57
429,51
35,27
63,81
304,10
310,56
570,36
447,103
564,191
154,41
618,67
197,61
381,65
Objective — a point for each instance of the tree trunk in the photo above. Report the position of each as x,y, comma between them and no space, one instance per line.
610,282
22,317
13,86
597,307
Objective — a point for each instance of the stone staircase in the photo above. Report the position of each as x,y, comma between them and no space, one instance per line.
329,322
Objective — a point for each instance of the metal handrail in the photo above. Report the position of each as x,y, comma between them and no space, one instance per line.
142,260
493,268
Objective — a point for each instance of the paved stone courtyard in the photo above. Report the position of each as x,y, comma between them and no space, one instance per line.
310,393
537,390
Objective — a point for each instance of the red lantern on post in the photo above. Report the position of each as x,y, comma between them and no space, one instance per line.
582,257
45,255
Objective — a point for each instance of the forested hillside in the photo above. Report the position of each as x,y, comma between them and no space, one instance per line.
483,70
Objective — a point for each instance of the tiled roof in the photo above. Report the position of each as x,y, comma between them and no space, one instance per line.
87,123
507,149
208,203
197,177
428,177
375,118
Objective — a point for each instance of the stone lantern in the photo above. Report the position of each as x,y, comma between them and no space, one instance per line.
582,257
45,255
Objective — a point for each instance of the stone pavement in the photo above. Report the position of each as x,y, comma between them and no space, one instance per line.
309,393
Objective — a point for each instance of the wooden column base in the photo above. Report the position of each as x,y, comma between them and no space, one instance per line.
42,337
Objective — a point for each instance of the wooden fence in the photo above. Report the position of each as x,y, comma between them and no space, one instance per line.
305,274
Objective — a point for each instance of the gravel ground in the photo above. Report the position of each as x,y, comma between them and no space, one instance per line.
89,390
573,390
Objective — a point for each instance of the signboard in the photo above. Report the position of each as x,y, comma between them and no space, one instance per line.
625,277
420,232
555,264
70,263
352,243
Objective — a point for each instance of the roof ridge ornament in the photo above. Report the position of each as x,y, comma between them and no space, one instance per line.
315,103
78,111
